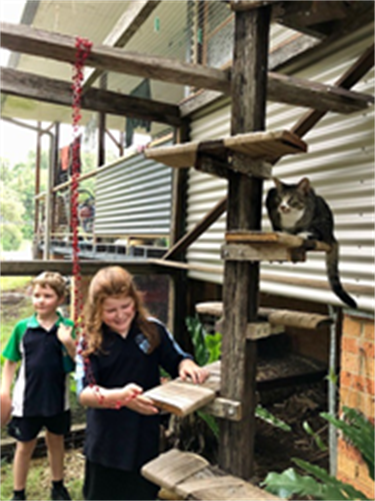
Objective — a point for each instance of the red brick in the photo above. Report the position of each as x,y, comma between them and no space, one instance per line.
350,362
349,344
348,450
368,348
351,326
358,400
346,466
368,331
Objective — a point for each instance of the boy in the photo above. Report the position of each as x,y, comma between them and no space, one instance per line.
44,345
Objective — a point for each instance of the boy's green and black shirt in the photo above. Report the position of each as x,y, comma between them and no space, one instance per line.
42,384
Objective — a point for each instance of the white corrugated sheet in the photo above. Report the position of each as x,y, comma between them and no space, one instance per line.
340,164
134,197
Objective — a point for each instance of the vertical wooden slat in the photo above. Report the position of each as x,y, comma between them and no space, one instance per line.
241,280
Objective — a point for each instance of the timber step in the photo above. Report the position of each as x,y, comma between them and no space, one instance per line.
264,146
275,317
268,246
190,476
183,397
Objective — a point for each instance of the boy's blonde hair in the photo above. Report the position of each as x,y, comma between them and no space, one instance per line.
52,279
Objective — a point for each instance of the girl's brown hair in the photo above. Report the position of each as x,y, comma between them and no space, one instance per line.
113,281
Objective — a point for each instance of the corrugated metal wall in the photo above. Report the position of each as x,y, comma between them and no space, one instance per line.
340,164
134,197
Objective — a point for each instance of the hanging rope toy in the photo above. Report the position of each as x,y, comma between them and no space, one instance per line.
83,48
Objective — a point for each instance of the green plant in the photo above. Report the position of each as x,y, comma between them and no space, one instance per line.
207,349
321,485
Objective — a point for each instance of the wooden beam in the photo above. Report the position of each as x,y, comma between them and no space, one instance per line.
200,228
300,92
88,267
19,83
280,88
28,40
346,81
128,24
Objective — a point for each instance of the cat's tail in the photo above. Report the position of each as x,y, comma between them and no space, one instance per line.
332,260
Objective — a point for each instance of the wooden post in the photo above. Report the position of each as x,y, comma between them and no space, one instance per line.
241,279
101,126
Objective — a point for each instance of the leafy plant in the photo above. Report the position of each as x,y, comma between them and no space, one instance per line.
321,485
207,349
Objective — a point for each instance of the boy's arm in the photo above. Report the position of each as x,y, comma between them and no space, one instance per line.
9,371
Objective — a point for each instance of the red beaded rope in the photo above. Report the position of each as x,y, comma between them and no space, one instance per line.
83,47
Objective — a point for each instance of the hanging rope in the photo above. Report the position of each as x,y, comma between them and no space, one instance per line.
83,48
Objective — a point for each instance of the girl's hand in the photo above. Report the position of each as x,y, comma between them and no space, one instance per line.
188,368
129,393
64,334
143,405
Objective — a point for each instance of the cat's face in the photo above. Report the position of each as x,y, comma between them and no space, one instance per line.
291,203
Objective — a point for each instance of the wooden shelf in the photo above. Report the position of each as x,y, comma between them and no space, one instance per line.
256,145
275,317
271,246
190,476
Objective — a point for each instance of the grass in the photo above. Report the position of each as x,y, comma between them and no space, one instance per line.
39,482
8,284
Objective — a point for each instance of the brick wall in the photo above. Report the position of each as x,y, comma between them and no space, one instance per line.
356,391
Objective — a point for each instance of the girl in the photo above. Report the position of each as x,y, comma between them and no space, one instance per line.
120,358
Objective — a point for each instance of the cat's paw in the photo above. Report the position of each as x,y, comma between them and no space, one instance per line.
306,235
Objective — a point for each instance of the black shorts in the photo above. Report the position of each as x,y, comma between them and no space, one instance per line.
25,429
110,483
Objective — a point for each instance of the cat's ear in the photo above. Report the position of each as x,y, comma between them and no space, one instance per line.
304,185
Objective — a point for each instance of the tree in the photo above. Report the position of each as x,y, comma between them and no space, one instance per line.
11,220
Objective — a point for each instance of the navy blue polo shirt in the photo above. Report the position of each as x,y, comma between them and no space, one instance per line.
122,438
42,384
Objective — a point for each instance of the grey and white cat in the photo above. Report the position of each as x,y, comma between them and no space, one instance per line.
296,209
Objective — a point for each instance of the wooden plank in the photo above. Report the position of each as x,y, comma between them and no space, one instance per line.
299,319
172,467
191,477
180,397
28,40
286,318
20,83
224,409
128,24
281,238
266,144
254,145
226,487
179,155
25,39
262,252
259,330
